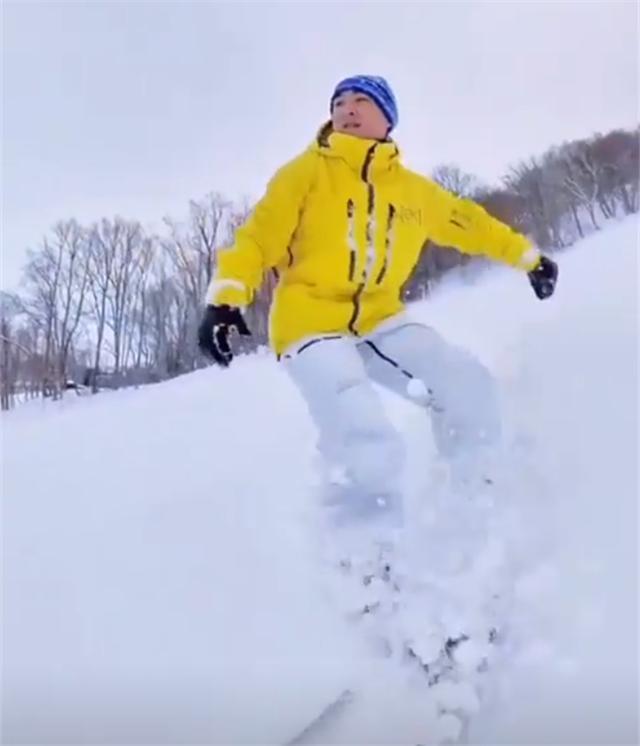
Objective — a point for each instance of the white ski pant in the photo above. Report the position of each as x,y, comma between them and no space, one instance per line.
335,375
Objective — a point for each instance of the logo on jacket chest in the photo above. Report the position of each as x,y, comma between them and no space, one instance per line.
409,215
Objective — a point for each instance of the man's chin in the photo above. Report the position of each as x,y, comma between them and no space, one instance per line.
356,132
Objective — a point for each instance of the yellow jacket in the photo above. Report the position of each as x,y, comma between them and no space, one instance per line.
343,225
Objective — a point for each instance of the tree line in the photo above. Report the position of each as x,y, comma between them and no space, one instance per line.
109,305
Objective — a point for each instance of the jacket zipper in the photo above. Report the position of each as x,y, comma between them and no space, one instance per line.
370,236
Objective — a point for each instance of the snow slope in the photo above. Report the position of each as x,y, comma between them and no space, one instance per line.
159,546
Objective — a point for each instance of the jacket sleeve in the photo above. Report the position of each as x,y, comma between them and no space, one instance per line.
468,227
262,241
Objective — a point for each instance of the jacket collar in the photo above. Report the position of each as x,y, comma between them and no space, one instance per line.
369,158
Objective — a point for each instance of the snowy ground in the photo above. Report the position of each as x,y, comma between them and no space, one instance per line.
160,569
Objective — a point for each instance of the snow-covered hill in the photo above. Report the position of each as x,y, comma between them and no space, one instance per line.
160,567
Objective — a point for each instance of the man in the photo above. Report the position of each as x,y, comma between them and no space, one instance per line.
343,225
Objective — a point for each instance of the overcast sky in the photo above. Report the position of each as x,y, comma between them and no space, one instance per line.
133,108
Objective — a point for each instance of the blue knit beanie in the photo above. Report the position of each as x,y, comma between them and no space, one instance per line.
376,88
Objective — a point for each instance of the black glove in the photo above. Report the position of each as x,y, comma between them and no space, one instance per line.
544,277
213,332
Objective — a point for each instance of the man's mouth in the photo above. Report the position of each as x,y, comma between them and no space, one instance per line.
351,125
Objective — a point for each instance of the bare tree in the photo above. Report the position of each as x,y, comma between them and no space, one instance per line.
135,307
72,242
161,313
11,349
533,183
617,157
57,279
582,178
103,242
130,256
456,181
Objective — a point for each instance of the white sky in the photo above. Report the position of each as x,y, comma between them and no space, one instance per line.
133,108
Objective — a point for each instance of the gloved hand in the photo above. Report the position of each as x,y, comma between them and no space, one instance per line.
544,277
213,332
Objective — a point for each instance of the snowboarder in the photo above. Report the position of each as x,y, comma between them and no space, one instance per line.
342,225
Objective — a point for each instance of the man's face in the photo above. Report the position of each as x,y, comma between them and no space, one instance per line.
356,114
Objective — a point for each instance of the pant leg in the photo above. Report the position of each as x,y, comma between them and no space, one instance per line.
353,428
416,362
461,396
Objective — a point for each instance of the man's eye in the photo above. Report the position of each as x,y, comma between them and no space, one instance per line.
337,104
